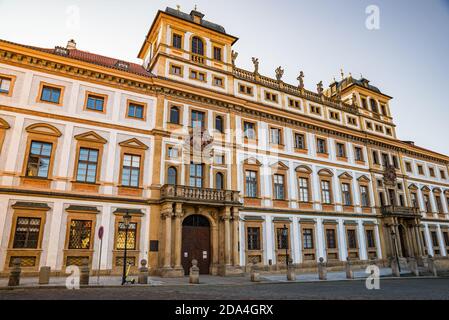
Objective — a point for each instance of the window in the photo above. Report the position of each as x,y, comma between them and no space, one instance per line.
439,204
443,174
218,82
307,238
172,176
279,193
303,189
282,239
385,160
177,41
379,128
364,103
352,239
326,192
136,110
383,109
198,119
352,121
341,150
95,103
334,115
414,199
253,238
217,53
5,85
173,152
316,110
219,159
176,70
374,106
275,136
408,167
197,75
26,235
271,97
245,89
420,169
330,239
196,175
446,238
87,165
346,194
50,94
364,195
370,241
249,130
219,124
251,184
197,46
174,115
388,131
39,159
375,157
369,125
358,153
80,234
432,172
427,203
294,103
300,141
434,239
131,170
219,181
121,236
395,162
321,146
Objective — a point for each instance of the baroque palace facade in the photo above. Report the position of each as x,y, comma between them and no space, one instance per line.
282,171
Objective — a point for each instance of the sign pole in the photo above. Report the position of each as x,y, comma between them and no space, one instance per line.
100,235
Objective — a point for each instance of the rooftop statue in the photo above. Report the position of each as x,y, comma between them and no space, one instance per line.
301,80
279,73
256,65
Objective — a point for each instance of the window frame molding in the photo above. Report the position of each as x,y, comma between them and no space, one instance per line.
99,95
43,84
12,79
132,147
142,104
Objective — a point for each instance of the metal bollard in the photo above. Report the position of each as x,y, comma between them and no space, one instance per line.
14,273
143,272
44,275
291,276
194,273
348,267
322,270
84,272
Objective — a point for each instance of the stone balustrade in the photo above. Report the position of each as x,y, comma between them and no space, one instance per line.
199,195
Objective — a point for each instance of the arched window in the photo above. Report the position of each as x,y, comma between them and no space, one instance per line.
219,123
174,115
197,46
172,176
219,181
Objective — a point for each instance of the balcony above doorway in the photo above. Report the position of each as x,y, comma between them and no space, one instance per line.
400,211
193,195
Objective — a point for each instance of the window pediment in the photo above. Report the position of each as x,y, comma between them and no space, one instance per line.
134,143
363,178
252,161
91,137
345,176
44,129
4,124
425,188
303,169
436,190
413,187
279,166
325,172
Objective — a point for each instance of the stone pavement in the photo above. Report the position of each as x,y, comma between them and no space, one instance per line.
115,281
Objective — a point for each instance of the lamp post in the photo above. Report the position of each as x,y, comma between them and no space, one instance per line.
393,236
285,238
126,221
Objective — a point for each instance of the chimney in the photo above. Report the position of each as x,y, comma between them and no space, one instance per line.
71,44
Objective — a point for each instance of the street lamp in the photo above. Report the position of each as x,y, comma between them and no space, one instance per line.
393,236
285,238
126,221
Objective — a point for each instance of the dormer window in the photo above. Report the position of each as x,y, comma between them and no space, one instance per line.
197,46
122,65
62,51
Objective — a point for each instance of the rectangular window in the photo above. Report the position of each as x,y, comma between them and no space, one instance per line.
374,106
432,172
172,152
395,162
253,238
388,131
136,110
300,141
375,157
198,119
369,125
26,235
5,85
303,189
334,115
408,167
177,41
282,239
279,192
87,165
176,70
95,103
121,236
439,204
275,136
196,175
358,153
197,75
294,103
352,121
219,159
245,89
315,110
364,103
249,130
217,53
251,184
80,234
427,203
352,239
446,238
321,146
307,238
383,108
330,239
346,194
271,97
434,237
370,241
325,192
414,199
420,169
131,170
385,160
443,174
364,195
50,94
39,159
341,150
218,82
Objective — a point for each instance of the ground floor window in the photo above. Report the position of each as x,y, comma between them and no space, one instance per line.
307,238
253,238
352,239
370,242
330,239
26,235
121,236
80,234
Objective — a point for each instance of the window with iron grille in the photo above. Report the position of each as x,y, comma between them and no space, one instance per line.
177,41
251,184
370,242
279,193
307,238
80,234
282,239
330,239
299,141
95,103
364,195
26,235
303,189
121,235
346,194
352,239
253,238
131,170
39,159
326,192
87,165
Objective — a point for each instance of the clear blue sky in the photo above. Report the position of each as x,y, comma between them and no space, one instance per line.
407,58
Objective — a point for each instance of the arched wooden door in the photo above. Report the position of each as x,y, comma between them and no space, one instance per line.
196,243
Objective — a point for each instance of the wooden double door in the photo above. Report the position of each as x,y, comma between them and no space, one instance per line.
196,243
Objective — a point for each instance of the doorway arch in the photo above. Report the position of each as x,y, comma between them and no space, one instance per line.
196,239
